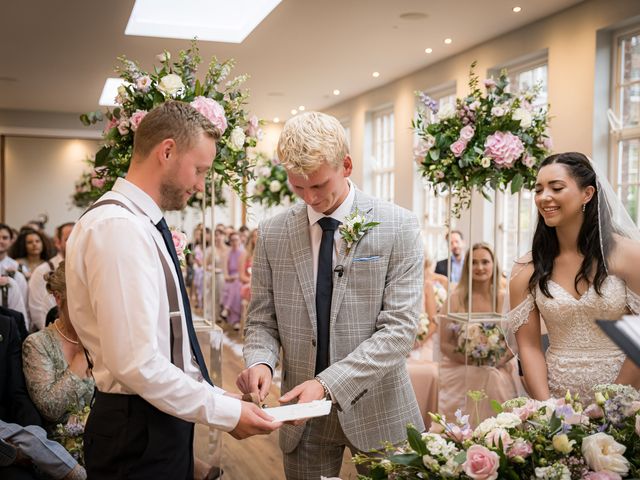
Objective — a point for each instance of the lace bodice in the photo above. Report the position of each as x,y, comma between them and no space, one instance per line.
580,354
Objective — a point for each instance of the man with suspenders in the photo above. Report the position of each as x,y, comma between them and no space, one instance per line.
128,304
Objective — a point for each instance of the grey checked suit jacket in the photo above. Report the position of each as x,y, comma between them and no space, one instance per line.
374,318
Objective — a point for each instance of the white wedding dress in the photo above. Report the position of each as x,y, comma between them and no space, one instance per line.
580,355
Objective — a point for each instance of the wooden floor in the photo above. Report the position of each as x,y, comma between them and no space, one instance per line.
256,458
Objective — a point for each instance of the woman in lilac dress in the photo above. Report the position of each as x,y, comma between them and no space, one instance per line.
231,299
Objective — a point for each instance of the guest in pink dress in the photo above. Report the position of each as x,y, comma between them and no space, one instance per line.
247,262
231,300
465,364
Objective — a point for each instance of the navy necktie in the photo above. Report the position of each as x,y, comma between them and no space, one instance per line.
324,290
193,339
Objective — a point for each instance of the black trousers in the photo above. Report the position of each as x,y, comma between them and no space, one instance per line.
128,438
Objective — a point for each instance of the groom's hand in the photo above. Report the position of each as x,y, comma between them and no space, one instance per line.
256,379
253,421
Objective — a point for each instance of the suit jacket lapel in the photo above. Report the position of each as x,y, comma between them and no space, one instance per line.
364,205
298,230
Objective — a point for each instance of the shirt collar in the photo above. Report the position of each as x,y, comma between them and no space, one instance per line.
140,198
339,213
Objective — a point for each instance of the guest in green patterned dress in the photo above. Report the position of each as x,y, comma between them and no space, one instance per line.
55,366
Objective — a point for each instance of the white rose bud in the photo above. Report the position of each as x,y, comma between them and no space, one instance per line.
171,85
163,57
237,138
275,186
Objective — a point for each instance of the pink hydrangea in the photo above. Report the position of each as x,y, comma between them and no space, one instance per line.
136,118
458,147
504,148
211,110
481,463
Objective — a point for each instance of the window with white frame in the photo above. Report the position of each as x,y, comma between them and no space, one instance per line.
433,207
382,153
625,104
517,216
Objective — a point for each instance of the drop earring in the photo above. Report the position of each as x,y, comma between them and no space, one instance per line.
584,207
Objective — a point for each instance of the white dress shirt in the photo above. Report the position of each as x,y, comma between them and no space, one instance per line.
315,230
8,264
41,301
119,307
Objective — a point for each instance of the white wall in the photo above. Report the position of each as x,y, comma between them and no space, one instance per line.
40,178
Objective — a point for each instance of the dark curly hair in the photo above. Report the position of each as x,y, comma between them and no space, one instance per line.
19,247
545,246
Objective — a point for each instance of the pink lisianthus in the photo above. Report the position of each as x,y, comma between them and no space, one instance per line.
458,147
467,132
504,148
458,434
594,411
136,118
489,83
253,127
520,448
143,83
212,110
481,463
529,161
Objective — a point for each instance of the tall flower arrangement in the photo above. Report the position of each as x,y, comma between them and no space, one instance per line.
552,440
491,138
220,100
271,185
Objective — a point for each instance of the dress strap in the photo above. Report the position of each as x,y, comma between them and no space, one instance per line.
519,315
633,301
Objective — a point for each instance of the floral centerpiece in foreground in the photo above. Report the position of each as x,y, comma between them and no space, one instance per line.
220,100
552,440
488,139
271,185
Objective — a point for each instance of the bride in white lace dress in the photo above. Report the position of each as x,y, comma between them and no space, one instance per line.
584,265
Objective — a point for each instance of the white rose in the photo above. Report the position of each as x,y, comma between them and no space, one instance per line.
602,452
237,138
523,116
497,111
448,110
508,420
275,186
171,85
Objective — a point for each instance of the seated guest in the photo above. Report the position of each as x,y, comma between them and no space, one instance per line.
457,257
55,366
8,266
11,298
41,301
30,249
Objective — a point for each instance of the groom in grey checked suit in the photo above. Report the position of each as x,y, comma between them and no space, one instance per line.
372,306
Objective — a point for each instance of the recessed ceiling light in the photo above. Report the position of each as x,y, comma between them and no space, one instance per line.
517,9
301,108
294,111
375,74
448,41
217,21
428,50
336,92
276,120
110,91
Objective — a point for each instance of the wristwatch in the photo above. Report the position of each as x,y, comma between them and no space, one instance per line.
327,393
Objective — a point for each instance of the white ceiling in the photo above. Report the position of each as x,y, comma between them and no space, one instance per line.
56,54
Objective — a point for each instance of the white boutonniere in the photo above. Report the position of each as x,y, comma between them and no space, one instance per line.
354,228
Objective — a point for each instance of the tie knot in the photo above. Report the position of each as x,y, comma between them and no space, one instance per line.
162,225
329,224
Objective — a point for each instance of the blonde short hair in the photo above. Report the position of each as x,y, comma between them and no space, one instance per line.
56,282
310,140
172,119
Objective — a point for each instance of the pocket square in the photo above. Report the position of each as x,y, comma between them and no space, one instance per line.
366,259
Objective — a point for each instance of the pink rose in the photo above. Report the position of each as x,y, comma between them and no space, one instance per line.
494,437
529,161
110,124
520,448
466,133
594,411
211,110
602,475
136,118
179,241
504,148
98,182
123,126
458,147
481,463
97,177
